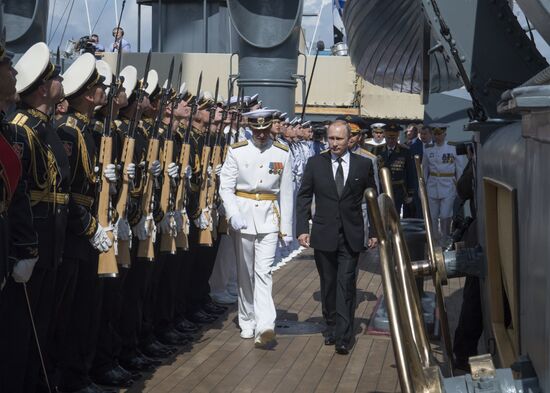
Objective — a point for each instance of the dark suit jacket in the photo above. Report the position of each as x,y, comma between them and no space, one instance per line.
417,149
332,212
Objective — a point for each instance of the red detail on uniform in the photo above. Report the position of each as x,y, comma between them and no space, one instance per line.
10,166
68,148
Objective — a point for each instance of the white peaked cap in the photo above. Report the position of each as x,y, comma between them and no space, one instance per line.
79,74
152,81
31,66
129,73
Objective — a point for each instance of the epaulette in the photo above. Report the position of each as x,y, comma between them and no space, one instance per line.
368,153
280,146
20,119
71,122
240,144
404,146
98,126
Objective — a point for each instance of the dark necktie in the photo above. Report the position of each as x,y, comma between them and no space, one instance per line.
339,178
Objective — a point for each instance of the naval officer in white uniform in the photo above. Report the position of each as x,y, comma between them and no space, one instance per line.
442,168
257,192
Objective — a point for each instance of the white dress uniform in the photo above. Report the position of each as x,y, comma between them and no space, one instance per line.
442,168
256,183
365,153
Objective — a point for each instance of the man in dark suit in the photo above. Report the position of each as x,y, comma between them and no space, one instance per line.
416,147
338,180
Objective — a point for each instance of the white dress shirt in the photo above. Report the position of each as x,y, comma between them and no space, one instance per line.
345,164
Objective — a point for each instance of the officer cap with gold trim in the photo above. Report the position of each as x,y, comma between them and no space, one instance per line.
104,69
129,73
276,116
438,128
306,124
206,100
356,123
392,128
283,116
81,75
153,88
295,122
260,119
377,127
34,68
185,94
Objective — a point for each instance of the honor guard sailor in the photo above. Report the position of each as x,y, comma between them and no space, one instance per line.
45,181
257,193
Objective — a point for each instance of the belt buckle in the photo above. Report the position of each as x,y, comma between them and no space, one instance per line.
66,198
257,196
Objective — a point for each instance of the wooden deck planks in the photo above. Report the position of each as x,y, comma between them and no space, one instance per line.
222,362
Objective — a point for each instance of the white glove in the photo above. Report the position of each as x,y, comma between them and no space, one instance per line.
173,170
237,222
131,171
123,229
154,168
218,169
179,220
209,170
166,224
287,240
109,172
101,241
142,229
202,221
188,172
23,269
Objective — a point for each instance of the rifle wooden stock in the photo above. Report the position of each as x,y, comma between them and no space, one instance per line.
123,255
213,184
181,240
146,248
107,265
205,235
167,241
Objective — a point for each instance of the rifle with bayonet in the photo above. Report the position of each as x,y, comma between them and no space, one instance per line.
205,235
146,248
182,240
167,203
107,266
123,247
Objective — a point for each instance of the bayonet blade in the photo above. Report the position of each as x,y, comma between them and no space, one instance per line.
170,74
147,69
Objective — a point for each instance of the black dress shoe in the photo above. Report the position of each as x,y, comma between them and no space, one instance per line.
171,337
342,349
212,308
114,377
137,363
201,317
330,340
134,375
185,326
156,350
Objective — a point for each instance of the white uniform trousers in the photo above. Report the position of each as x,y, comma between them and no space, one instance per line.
442,209
255,254
225,267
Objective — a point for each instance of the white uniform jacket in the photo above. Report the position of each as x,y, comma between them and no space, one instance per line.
442,168
252,170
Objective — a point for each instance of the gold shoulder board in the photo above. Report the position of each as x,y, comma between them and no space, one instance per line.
71,122
368,153
239,144
280,146
20,119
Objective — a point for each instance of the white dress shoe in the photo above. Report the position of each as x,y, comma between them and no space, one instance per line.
247,333
265,338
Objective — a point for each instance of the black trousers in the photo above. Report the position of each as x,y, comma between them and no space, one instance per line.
21,370
184,279
77,341
166,290
134,294
337,271
151,291
470,322
109,342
